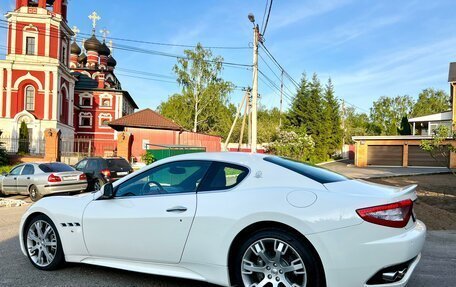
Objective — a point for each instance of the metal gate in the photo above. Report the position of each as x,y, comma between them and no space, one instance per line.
73,150
385,155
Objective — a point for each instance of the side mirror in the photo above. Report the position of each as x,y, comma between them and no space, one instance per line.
108,191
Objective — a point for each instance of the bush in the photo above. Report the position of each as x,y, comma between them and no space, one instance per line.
293,145
148,158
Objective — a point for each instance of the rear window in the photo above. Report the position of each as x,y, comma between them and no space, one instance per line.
118,164
55,167
318,174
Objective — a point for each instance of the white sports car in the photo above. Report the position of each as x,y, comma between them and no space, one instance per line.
234,219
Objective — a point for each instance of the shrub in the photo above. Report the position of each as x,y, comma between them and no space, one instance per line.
293,145
148,158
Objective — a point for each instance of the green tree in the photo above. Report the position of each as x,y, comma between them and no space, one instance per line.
405,127
3,155
355,124
333,122
204,92
386,114
431,101
23,139
298,146
439,147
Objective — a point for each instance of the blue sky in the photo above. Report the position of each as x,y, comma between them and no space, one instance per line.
368,48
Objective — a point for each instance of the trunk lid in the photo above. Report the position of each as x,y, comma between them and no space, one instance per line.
373,190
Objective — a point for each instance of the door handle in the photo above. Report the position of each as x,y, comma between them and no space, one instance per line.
15,178
28,177
177,209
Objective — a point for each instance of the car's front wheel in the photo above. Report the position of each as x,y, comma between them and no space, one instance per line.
276,258
43,245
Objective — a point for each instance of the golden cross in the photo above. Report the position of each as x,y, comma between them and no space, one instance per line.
94,17
75,31
105,33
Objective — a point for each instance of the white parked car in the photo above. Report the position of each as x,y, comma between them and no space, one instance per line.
234,219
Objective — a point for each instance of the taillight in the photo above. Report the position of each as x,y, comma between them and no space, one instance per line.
393,215
106,172
83,177
54,178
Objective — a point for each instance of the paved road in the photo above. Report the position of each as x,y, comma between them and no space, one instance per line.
347,168
437,267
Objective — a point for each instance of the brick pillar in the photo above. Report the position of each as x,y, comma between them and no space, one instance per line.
52,149
453,156
405,155
124,143
361,153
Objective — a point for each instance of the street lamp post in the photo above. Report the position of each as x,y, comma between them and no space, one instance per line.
256,39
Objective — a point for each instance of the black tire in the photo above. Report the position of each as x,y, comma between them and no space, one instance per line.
34,194
315,276
59,258
98,183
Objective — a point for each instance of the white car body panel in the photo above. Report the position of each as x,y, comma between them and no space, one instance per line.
138,234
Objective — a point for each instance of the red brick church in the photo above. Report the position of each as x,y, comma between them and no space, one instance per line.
48,81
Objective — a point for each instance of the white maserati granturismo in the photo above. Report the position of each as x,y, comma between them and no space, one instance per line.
234,219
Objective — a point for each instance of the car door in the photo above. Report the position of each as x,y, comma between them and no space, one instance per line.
24,180
150,216
10,180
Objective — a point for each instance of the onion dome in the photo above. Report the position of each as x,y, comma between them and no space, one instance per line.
104,50
82,58
75,49
111,61
92,44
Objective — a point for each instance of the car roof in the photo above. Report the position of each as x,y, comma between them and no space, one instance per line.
241,157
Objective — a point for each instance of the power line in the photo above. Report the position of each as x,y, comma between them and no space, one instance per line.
278,65
149,51
277,76
267,18
166,44
264,14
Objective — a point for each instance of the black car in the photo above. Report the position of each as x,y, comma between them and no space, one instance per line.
102,170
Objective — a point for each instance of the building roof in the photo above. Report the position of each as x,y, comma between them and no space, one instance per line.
147,119
452,72
445,116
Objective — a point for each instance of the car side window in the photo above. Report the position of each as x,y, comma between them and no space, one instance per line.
169,178
17,170
92,166
224,176
81,165
28,170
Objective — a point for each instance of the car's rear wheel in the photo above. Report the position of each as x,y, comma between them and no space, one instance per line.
276,258
42,243
34,193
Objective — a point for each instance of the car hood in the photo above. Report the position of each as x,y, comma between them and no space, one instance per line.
368,189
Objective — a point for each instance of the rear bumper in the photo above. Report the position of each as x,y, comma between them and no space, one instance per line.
63,187
351,256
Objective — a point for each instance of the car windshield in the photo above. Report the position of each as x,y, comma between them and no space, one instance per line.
118,164
318,174
55,167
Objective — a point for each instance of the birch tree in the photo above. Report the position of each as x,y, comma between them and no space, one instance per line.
203,89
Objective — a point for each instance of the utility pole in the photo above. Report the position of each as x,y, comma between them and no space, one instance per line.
246,110
244,100
281,100
256,40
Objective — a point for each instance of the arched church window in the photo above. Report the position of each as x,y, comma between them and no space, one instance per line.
30,98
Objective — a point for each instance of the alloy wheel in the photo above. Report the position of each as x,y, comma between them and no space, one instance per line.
272,262
41,243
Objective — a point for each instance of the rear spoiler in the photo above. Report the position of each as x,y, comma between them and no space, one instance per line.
407,192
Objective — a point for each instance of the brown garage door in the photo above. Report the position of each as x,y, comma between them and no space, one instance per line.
390,155
419,157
